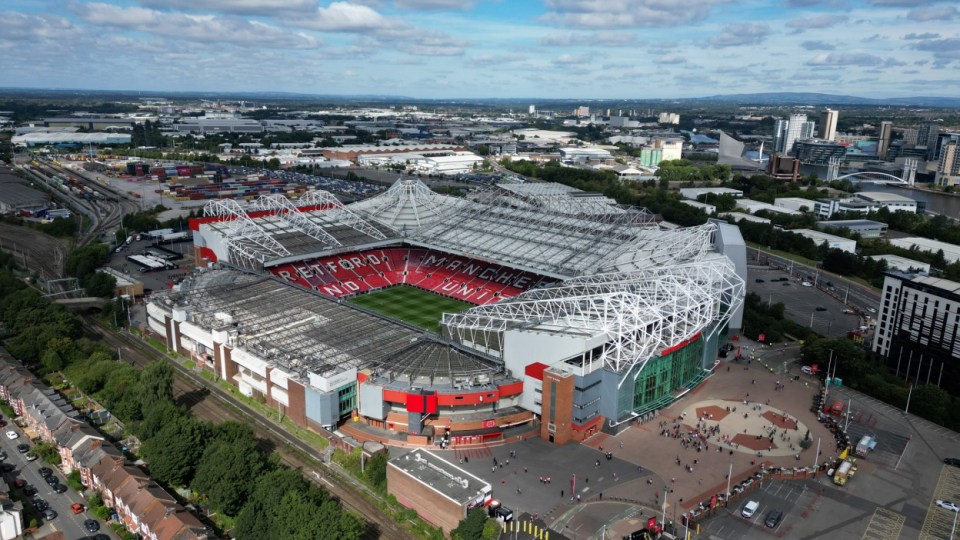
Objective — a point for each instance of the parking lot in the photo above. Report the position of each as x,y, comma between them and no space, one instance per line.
940,521
802,302
790,498
16,467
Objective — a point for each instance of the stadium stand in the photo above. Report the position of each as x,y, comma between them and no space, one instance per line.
455,276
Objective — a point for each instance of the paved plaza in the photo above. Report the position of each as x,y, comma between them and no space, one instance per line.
748,412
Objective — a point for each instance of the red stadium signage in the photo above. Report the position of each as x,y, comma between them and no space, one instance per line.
489,424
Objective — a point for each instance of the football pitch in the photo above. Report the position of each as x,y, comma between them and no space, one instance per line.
411,305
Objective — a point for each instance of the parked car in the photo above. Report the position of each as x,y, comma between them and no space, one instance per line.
40,504
77,508
821,308
750,508
91,525
872,310
23,448
3,455
952,461
759,281
30,456
51,480
45,471
12,434
948,505
59,488
849,312
7,467
807,370
773,518
786,284
806,284
29,490
49,514
19,482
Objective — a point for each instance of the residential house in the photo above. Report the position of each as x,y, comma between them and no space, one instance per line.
11,515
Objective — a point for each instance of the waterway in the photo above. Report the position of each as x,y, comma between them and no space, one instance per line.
938,203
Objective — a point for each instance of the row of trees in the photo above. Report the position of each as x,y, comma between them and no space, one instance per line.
769,320
857,370
681,170
83,262
223,465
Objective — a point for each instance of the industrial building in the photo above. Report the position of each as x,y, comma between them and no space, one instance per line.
902,264
439,491
91,122
951,252
69,138
834,242
708,208
890,201
864,227
624,315
738,216
693,193
918,334
796,204
753,207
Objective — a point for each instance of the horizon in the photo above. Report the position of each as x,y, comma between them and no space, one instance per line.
463,50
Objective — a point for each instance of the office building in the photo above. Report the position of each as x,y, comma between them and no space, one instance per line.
828,124
948,167
890,201
668,118
783,168
883,144
532,111
818,151
917,329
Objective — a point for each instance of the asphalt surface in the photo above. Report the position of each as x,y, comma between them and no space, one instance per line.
66,521
801,302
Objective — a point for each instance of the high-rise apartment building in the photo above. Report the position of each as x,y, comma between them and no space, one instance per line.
807,130
828,124
780,135
795,128
948,168
918,329
886,131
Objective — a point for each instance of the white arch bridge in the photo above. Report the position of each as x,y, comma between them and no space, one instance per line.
873,178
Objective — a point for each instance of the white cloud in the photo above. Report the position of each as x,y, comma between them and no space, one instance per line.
199,28
819,21
433,4
597,39
737,34
342,17
933,13
626,13
255,7
845,59
817,46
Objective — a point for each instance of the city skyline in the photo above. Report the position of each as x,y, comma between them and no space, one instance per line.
459,49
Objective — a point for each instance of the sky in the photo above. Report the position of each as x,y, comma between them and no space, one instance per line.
452,49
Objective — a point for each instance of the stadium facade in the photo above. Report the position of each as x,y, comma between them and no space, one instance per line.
583,314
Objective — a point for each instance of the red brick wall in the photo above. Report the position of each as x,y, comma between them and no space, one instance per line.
563,408
297,410
437,510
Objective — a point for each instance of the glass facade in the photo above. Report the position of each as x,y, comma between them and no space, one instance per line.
347,396
660,379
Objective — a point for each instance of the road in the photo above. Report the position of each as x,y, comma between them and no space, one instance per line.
859,296
66,521
210,403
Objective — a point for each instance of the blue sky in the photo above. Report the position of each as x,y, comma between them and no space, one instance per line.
585,49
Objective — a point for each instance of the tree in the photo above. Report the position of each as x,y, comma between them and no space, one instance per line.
156,415
51,361
156,382
375,471
471,527
224,473
100,284
931,402
174,451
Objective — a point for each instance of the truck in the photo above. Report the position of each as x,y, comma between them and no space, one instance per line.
843,472
866,445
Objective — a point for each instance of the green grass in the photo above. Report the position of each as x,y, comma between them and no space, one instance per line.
411,305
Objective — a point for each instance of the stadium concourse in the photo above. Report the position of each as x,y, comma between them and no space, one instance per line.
561,314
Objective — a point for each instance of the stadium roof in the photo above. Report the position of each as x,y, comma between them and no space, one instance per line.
282,229
407,206
640,312
302,332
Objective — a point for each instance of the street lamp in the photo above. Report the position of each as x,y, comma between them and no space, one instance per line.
953,530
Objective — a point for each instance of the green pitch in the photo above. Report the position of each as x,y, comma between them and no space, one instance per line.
411,305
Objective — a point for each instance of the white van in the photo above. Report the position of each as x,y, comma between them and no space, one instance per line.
750,509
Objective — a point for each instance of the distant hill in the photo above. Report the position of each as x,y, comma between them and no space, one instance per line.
810,98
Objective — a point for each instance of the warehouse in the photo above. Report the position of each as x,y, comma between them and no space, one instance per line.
460,163
16,196
753,207
951,252
66,138
903,264
866,228
835,242
795,203
418,477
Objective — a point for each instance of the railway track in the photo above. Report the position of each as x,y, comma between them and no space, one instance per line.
213,405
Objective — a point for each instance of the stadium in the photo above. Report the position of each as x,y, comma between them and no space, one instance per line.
522,309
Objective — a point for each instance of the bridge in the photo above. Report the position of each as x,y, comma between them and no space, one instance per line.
874,177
